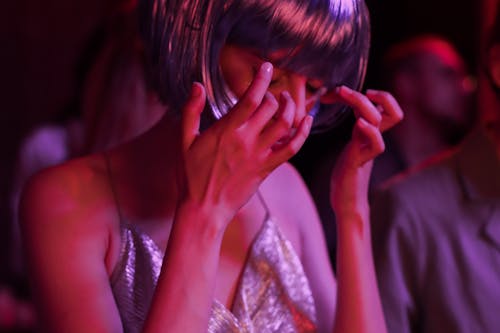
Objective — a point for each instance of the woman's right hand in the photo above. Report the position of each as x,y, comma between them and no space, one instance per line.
224,165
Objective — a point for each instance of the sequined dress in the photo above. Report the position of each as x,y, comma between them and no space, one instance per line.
273,294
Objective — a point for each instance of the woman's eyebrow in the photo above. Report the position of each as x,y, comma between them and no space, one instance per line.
279,55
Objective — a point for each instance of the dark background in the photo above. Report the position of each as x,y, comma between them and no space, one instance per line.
40,42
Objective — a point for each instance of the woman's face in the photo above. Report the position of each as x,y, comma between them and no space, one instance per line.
239,66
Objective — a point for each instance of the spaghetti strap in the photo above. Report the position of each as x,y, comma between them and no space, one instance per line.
112,187
263,202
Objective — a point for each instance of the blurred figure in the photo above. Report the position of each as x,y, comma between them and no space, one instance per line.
428,77
436,232
111,87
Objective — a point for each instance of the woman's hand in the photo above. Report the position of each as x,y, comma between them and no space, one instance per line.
224,165
375,112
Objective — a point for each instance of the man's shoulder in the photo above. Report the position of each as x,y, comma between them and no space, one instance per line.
434,177
420,196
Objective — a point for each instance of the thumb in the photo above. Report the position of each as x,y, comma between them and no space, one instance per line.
191,115
368,140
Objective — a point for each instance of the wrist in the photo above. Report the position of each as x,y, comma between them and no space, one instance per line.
352,210
205,220
355,221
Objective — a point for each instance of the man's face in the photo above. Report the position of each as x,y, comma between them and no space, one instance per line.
443,89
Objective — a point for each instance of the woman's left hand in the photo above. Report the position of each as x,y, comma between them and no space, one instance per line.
375,112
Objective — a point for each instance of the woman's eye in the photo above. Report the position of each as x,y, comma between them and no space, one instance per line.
312,89
277,77
274,80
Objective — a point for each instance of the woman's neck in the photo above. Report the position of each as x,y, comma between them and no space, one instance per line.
146,172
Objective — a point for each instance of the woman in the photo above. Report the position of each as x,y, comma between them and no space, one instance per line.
168,232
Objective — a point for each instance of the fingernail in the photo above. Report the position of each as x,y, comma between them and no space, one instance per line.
309,120
266,68
317,95
195,89
346,89
362,122
343,89
285,94
371,91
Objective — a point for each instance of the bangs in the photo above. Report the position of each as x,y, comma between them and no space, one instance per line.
327,40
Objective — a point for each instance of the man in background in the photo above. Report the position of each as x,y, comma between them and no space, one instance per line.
436,231
428,77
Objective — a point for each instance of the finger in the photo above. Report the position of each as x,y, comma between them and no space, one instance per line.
252,98
391,111
368,140
264,113
281,125
191,115
285,152
362,106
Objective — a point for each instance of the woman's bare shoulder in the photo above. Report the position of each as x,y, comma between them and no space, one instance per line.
71,244
67,193
290,202
284,176
289,190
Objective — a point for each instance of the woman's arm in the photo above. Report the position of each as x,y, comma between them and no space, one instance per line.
186,286
66,237
358,304
221,169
